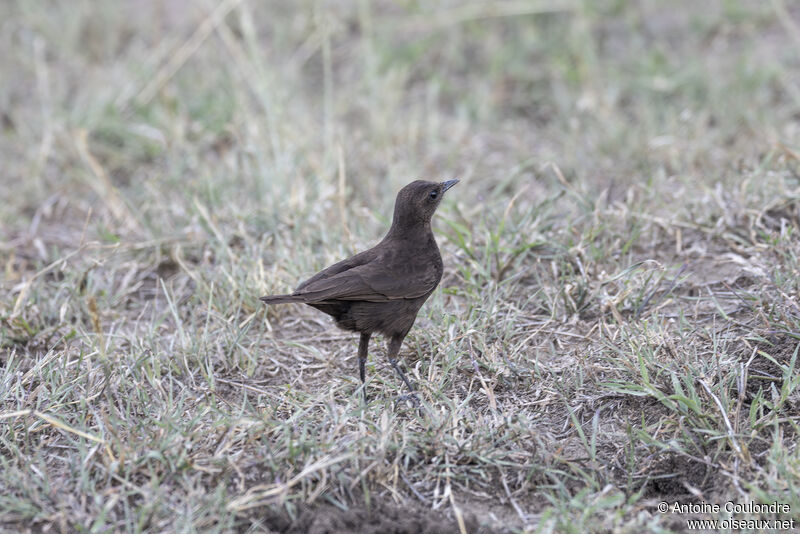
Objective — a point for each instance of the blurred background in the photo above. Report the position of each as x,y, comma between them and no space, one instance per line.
266,111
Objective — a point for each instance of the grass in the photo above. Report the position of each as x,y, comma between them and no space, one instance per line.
618,322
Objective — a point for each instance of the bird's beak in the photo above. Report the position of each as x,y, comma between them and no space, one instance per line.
448,184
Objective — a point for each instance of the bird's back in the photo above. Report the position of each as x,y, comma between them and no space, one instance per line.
378,290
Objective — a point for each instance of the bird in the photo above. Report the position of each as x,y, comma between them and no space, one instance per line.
381,290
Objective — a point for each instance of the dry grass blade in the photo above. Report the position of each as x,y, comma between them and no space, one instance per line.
52,420
185,51
261,495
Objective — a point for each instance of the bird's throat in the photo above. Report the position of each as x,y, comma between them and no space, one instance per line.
409,228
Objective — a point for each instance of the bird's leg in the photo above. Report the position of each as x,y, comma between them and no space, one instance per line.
363,344
394,348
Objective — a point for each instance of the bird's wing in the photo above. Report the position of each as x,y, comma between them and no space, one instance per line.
352,262
371,281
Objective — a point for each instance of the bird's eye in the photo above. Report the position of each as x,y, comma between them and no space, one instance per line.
434,194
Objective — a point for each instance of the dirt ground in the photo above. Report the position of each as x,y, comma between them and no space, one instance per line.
379,519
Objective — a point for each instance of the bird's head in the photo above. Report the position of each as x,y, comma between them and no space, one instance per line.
417,202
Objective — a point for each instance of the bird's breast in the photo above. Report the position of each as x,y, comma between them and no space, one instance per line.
415,259
424,265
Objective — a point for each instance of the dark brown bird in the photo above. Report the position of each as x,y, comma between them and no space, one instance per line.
383,288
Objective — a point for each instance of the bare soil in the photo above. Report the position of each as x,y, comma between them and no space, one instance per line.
380,518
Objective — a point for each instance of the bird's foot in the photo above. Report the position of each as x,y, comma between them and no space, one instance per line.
409,397
362,391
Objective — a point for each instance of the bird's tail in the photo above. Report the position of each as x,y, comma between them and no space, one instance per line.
282,299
